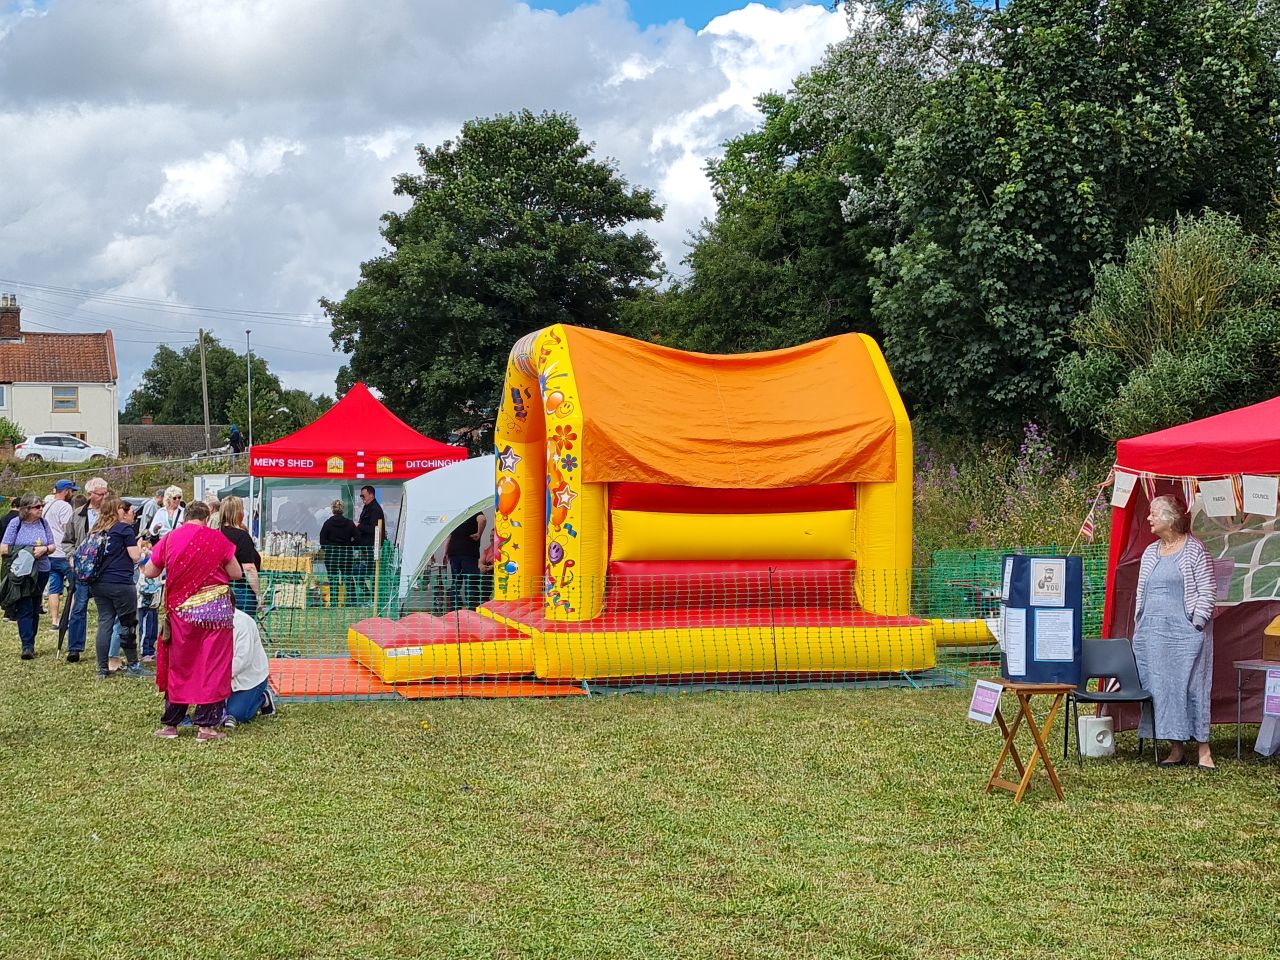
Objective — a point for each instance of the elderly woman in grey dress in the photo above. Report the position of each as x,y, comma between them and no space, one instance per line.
1173,633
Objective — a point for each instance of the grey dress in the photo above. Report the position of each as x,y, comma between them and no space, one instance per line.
1175,660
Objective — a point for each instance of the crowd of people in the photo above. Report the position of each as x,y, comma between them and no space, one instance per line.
175,591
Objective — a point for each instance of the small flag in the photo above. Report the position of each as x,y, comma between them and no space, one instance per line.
1238,487
1189,491
1148,486
1086,528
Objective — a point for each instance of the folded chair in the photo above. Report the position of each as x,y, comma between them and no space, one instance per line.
1106,659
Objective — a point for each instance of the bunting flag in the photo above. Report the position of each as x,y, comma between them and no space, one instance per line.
1238,487
1148,485
1189,491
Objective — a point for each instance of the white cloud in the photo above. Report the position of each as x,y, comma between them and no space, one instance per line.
240,153
209,184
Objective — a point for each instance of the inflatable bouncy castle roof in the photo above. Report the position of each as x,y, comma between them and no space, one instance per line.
816,413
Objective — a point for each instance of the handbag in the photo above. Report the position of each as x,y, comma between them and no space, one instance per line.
209,607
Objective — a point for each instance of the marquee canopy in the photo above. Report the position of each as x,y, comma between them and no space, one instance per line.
356,439
1246,440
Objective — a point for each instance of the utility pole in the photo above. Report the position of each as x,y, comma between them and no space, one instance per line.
204,392
248,380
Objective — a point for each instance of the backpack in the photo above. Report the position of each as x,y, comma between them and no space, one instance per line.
91,557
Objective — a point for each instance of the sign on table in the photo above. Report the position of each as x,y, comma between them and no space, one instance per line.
1271,699
986,697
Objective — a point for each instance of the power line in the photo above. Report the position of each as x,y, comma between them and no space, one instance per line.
154,303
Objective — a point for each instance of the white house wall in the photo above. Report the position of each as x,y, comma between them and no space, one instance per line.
30,405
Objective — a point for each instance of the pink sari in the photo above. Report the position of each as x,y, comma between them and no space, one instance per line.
194,667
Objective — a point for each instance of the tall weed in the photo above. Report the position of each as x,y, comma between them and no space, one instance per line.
985,495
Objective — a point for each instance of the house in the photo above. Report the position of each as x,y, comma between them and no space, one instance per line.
58,382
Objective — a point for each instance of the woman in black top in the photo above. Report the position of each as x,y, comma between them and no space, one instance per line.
231,523
338,539
115,591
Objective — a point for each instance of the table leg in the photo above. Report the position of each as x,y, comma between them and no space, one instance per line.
1239,686
1040,751
1009,749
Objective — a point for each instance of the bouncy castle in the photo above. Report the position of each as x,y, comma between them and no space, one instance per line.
665,514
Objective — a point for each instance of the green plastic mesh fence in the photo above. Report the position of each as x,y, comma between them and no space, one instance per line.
347,624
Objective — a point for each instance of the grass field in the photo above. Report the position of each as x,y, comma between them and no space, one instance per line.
816,824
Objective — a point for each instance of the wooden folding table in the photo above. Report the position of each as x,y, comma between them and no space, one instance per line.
1039,734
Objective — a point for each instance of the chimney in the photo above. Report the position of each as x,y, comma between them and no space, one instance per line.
147,420
10,317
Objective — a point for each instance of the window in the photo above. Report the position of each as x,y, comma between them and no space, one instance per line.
66,399
4,394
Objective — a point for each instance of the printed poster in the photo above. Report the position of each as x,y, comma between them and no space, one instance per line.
1015,641
1008,578
1055,635
1123,488
1048,583
1271,698
1260,495
986,697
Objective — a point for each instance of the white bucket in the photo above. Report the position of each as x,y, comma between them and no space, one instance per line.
1097,737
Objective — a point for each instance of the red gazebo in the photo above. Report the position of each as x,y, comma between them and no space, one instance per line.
357,439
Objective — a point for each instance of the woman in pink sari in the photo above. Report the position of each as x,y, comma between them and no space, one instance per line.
193,668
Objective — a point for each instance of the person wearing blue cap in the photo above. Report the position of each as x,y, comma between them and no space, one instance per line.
58,514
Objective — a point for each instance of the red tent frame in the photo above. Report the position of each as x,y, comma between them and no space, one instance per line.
356,439
1246,440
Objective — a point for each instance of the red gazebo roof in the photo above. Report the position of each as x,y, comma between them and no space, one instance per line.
1246,440
356,439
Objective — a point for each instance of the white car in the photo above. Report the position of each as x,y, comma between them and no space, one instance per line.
60,447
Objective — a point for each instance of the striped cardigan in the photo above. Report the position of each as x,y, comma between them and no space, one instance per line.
1200,594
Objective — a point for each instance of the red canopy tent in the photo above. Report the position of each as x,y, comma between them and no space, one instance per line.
1237,442
357,439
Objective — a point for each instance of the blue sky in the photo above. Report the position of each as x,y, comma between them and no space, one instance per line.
695,13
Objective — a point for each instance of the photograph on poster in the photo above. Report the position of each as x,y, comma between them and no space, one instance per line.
1055,633
1048,583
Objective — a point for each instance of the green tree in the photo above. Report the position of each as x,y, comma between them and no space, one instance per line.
780,265
170,388
511,227
276,412
1082,123
1188,326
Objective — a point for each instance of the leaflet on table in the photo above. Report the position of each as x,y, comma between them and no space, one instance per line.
985,700
1015,641
1055,633
1271,698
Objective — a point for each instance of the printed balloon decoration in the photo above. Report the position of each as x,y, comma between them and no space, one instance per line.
508,495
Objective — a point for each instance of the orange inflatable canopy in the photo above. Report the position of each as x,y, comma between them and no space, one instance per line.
815,413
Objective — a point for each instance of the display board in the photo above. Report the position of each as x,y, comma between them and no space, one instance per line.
1041,618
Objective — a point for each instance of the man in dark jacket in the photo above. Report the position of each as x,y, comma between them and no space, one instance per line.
371,516
82,519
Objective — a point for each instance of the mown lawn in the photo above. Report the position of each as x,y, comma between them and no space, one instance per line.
817,824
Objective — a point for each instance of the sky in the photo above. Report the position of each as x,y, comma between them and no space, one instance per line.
167,165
